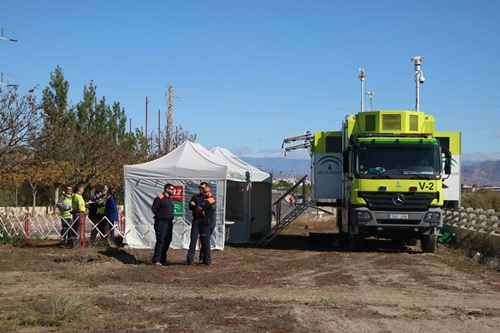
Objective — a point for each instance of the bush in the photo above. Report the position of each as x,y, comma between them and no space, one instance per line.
13,240
484,199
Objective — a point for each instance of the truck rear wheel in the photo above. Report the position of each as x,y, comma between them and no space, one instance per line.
428,243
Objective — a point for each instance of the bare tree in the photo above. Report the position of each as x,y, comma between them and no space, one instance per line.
19,120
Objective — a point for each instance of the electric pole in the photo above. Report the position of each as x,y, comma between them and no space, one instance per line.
170,119
147,102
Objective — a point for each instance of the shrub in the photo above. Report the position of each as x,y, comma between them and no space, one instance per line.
484,199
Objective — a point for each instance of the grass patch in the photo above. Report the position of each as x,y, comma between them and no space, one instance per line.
53,313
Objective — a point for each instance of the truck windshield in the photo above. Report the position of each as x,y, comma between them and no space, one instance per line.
398,160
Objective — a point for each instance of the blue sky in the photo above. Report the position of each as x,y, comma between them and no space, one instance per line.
246,74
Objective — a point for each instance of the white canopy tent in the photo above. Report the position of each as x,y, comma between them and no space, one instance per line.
258,222
185,167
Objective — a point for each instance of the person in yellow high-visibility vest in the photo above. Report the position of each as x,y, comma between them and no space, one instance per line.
64,204
78,209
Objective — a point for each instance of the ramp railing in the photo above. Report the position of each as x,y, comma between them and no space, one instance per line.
283,223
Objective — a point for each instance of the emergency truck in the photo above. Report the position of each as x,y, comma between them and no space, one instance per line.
389,173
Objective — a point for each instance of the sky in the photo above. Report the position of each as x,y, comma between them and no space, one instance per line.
247,74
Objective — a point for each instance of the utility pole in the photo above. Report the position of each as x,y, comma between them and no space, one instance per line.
160,151
147,102
2,37
170,119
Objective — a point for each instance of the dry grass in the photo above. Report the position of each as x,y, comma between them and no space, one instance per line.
281,288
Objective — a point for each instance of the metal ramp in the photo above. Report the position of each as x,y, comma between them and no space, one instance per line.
283,224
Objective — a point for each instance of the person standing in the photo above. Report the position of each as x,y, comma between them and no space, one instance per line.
78,205
96,203
64,204
207,225
163,210
111,213
195,202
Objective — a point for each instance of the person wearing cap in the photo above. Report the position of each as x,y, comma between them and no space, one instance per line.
163,210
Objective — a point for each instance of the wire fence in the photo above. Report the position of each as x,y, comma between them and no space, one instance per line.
76,230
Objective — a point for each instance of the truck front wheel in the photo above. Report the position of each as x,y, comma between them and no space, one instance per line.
356,242
428,243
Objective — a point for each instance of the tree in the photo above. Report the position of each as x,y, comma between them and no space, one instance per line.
19,119
55,143
59,123
87,142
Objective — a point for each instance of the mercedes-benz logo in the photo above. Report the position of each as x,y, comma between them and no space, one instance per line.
398,199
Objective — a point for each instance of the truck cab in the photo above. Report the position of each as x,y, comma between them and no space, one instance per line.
391,180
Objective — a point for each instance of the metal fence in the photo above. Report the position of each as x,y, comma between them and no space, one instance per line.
51,226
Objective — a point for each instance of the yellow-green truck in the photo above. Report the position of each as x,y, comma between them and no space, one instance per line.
390,174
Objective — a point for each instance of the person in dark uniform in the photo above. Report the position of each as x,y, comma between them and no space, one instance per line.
163,209
96,206
196,201
207,224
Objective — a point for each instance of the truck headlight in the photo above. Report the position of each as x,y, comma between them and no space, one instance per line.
432,217
363,216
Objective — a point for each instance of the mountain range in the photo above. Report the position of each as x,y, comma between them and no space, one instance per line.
473,172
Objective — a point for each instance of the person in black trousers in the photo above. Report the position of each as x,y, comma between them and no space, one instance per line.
195,202
163,210
207,224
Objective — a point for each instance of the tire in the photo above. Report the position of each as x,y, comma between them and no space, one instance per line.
356,242
428,243
339,219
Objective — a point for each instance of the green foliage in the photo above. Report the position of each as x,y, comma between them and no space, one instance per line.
56,143
12,239
283,184
484,199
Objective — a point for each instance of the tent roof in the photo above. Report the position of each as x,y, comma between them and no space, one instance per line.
188,161
257,175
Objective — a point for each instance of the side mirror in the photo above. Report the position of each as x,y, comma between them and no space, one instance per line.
447,160
346,162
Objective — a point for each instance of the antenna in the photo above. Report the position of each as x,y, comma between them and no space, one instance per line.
419,79
306,139
361,77
371,93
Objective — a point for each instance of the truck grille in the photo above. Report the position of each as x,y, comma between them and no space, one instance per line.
385,201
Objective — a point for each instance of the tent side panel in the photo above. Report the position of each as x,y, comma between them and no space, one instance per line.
139,195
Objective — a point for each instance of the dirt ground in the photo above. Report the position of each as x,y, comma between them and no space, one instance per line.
288,286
